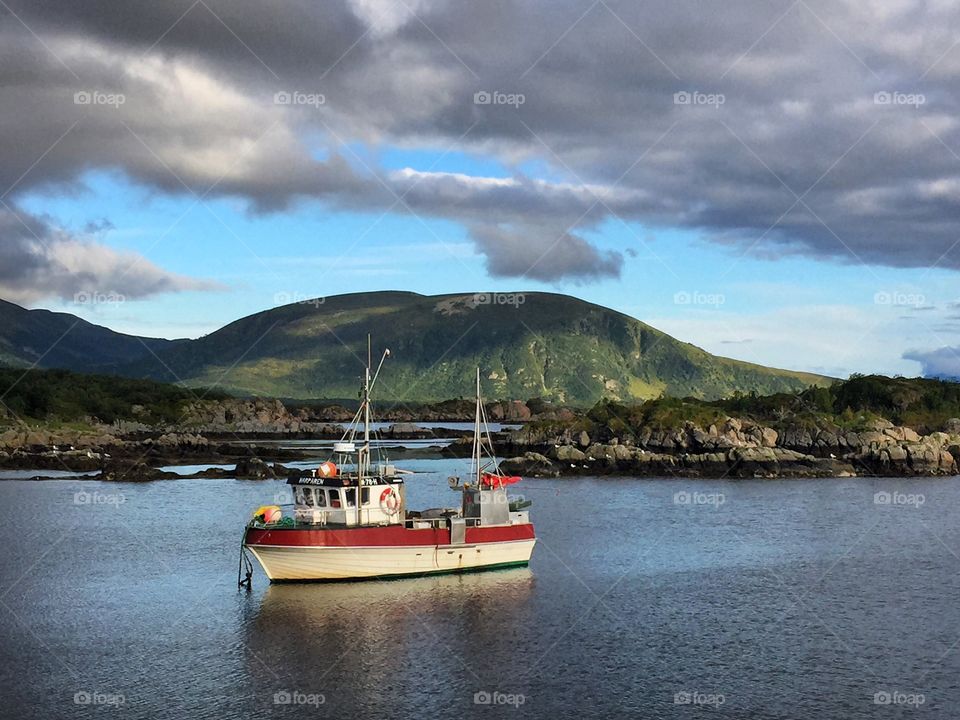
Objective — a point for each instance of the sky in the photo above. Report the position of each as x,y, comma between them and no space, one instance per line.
773,181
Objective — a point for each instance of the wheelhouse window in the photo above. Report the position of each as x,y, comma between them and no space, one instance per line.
321,498
351,497
305,496
334,498
365,496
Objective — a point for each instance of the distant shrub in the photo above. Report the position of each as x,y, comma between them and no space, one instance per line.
63,396
854,404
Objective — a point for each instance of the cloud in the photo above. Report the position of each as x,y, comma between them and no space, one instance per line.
943,362
384,17
533,253
39,260
98,227
837,135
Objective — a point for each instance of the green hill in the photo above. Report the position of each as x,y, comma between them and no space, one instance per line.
60,340
550,346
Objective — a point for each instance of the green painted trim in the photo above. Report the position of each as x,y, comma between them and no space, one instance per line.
405,576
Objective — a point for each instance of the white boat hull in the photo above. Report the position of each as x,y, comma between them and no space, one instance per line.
290,563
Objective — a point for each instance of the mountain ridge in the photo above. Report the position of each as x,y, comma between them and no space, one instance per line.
528,344
50,339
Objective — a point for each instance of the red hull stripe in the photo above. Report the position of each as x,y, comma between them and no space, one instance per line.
501,533
390,535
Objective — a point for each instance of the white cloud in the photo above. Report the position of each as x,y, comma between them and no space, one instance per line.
42,261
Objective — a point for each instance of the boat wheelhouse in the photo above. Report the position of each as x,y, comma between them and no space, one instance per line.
329,496
350,518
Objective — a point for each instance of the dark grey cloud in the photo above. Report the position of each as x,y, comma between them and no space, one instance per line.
98,227
525,252
800,157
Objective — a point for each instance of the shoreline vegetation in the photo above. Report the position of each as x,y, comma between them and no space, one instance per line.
122,429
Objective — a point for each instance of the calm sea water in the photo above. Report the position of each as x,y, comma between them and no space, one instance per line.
647,598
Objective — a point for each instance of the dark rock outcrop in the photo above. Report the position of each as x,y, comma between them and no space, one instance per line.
738,448
530,464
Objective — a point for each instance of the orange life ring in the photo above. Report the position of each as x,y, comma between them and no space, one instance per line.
390,501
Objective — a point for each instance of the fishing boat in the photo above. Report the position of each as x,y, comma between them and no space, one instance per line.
350,519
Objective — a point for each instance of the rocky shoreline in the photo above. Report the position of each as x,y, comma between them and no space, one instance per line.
738,449
125,451
105,456
223,432
557,443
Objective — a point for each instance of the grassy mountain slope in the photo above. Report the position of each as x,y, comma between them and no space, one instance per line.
550,346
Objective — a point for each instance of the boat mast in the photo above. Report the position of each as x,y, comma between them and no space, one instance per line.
476,436
366,433
366,406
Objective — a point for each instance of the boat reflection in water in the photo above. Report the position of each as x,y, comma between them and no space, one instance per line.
383,648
